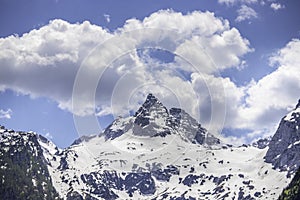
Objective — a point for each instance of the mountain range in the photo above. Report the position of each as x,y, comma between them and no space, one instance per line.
157,153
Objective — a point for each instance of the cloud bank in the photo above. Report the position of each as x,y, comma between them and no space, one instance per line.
45,62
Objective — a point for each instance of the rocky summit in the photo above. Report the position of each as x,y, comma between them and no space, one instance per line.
153,119
157,153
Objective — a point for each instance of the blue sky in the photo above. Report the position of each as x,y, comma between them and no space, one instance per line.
253,44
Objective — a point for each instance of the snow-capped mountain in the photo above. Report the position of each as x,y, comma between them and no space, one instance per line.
284,147
166,154
154,120
23,168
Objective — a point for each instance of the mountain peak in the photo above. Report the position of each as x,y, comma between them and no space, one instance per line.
151,111
151,101
150,96
154,119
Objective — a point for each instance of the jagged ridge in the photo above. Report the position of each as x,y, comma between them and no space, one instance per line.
284,147
23,172
124,164
154,119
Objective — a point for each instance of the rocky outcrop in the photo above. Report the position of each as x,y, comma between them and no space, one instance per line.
284,148
23,172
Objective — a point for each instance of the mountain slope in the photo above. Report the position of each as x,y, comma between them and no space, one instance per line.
163,154
292,192
23,172
156,154
179,170
284,147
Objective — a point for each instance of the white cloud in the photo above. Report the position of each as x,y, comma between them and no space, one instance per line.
223,50
44,63
219,100
5,114
280,88
270,98
277,6
245,13
258,106
196,23
227,2
232,2
107,18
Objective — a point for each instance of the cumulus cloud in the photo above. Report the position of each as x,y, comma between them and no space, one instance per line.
277,6
280,88
258,106
112,72
5,114
271,97
245,13
44,62
231,2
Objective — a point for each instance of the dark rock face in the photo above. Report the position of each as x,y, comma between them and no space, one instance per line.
73,195
112,134
184,123
151,100
103,183
190,179
116,129
200,137
165,174
143,182
262,143
154,120
151,103
24,173
102,187
284,148
151,118
293,190
298,104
